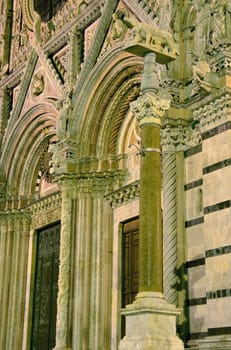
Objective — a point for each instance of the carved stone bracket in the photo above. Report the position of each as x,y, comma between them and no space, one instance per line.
220,59
63,156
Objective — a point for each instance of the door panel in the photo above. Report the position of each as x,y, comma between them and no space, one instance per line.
130,265
46,288
130,261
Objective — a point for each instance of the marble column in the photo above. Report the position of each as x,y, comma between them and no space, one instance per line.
169,215
150,320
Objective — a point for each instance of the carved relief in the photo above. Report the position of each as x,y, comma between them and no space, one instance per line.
179,137
159,40
118,28
220,26
37,85
46,211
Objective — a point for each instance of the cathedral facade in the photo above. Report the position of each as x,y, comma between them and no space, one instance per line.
115,155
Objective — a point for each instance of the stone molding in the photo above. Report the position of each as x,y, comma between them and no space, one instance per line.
124,194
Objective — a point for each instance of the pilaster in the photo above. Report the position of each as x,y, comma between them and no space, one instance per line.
176,137
92,273
83,274
15,227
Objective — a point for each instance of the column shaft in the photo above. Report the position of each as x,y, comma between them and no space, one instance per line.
151,249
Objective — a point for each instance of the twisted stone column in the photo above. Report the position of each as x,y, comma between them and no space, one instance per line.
169,227
169,215
63,331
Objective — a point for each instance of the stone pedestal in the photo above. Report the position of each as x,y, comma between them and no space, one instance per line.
150,324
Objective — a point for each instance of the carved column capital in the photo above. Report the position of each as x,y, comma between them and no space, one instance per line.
179,137
149,108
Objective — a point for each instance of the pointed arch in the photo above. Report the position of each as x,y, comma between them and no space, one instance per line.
104,102
22,150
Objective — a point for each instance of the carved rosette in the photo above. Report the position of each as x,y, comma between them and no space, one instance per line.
149,108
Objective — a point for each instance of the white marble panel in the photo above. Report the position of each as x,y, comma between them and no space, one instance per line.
217,148
195,242
198,316
218,229
219,314
197,282
193,168
217,186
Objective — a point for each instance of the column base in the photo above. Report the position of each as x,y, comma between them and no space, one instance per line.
150,324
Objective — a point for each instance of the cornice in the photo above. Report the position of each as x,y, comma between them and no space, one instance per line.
14,78
80,22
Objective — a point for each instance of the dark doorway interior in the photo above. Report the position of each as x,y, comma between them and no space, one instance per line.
46,288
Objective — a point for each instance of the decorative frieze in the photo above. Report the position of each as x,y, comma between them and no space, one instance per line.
124,195
46,211
213,113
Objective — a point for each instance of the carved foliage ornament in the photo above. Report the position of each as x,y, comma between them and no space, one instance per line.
149,108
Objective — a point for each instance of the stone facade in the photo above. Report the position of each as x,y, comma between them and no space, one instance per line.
78,125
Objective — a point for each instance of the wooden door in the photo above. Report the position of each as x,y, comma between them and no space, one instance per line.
130,264
45,289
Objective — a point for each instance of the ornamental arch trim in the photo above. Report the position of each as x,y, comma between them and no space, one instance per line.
21,153
104,102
